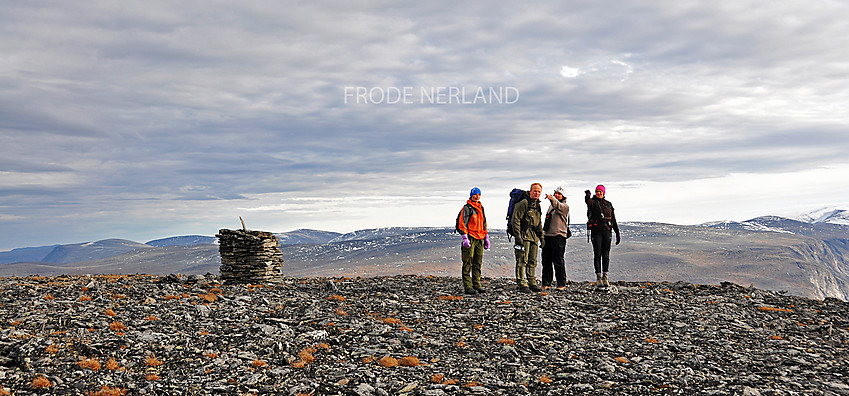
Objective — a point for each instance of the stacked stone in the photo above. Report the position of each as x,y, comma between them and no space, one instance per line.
249,256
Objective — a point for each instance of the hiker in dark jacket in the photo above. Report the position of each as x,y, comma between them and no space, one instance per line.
471,224
527,229
556,230
601,220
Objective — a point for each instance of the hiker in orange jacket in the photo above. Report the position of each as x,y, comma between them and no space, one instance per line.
471,224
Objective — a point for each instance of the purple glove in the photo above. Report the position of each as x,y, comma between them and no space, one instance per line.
486,242
618,239
466,242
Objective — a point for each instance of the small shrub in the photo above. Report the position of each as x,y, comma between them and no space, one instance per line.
51,349
108,391
258,363
151,377
388,361
409,361
41,382
506,341
117,326
152,361
85,297
545,379
92,364
110,312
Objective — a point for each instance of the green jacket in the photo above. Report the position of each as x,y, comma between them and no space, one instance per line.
527,221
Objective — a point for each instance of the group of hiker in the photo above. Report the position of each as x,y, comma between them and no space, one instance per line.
530,231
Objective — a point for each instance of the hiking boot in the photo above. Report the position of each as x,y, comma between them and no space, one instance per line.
523,289
534,288
600,281
471,291
561,288
480,290
604,280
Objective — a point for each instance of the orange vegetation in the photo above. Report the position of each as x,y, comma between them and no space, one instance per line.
41,382
108,391
409,361
152,361
388,361
92,364
771,309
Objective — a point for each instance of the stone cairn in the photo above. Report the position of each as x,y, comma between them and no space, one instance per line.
249,256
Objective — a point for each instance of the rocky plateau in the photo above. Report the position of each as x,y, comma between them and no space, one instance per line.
412,335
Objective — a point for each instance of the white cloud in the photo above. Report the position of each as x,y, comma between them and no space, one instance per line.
113,115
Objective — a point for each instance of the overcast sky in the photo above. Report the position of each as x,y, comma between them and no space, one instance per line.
142,120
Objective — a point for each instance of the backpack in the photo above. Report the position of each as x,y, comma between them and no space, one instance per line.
515,197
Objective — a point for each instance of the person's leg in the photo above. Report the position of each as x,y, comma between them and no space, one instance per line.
558,249
521,281
547,263
477,262
531,265
467,267
605,255
597,237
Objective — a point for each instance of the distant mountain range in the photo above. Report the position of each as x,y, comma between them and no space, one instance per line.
807,255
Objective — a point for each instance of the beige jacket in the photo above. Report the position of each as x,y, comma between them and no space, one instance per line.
559,217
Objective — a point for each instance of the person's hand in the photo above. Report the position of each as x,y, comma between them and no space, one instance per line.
486,242
466,242
541,243
618,239
519,245
588,193
547,196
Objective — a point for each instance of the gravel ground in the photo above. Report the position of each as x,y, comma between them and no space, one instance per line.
141,334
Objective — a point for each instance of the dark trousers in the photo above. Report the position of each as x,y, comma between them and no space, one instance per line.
553,264
601,249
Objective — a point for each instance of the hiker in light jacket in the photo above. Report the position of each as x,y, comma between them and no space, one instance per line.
556,230
471,224
601,220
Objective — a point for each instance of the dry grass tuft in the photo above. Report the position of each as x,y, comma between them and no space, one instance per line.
772,309
110,312
388,361
621,359
151,377
437,378
108,391
92,364
545,379
450,298
41,382
51,349
258,363
152,361
336,297
85,297
117,326
112,365
506,341
651,340
409,361
49,297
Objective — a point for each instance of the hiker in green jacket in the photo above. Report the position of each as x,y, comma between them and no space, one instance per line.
527,230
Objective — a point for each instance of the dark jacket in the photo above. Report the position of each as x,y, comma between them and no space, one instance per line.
600,214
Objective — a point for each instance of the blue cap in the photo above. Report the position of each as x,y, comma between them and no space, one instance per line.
474,191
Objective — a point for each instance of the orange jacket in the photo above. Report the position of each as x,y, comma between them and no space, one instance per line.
473,222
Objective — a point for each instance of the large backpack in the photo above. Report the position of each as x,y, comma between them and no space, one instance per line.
515,197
